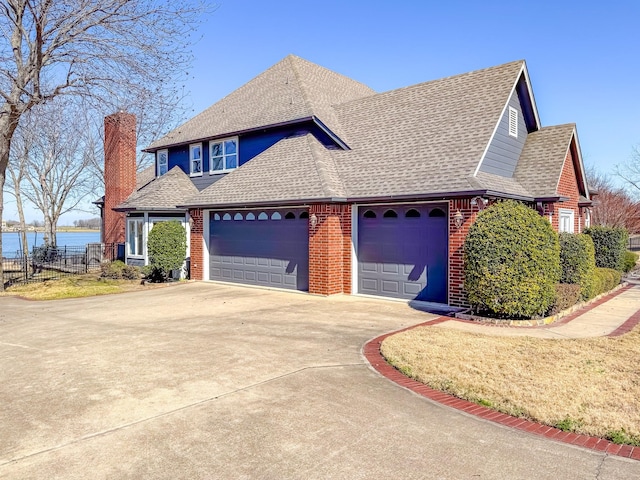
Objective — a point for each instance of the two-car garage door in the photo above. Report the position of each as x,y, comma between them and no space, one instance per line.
401,250
268,248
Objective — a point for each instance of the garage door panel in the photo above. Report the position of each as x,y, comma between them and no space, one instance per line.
403,256
390,286
260,252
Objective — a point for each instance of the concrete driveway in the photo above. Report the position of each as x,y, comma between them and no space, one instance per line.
214,381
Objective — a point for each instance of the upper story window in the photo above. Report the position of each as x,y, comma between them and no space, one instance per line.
162,162
223,155
195,159
513,122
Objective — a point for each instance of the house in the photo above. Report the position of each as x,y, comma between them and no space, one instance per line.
306,179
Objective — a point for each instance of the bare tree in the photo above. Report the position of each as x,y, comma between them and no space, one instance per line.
629,171
59,148
107,51
612,206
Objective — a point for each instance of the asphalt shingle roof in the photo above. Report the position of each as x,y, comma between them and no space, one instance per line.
425,138
291,89
163,193
295,168
542,158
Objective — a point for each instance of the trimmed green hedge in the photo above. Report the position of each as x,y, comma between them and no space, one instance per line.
577,260
511,262
167,247
606,279
629,261
610,244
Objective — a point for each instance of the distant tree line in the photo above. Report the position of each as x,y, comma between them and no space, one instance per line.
91,223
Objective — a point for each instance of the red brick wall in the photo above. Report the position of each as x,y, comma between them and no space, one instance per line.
330,249
119,172
568,187
457,294
195,244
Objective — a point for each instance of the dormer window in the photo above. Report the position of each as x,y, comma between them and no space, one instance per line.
223,155
513,122
195,159
162,162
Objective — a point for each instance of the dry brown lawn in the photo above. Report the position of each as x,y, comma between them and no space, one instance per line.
78,286
589,386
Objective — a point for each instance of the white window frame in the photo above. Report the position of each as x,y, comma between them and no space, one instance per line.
192,148
225,168
568,215
159,155
513,122
138,248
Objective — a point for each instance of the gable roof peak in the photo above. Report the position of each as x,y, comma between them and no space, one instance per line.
291,90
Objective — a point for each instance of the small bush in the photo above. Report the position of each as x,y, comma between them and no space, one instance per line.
567,295
577,260
610,245
629,261
511,262
167,247
119,270
605,279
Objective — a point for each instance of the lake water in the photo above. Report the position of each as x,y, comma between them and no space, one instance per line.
11,240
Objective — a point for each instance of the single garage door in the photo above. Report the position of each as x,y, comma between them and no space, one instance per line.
402,251
263,247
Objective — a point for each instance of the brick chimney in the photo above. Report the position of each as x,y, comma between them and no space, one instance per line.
119,172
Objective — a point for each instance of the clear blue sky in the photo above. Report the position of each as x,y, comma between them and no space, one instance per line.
583,57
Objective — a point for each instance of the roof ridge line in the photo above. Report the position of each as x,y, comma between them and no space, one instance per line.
302,87
325,180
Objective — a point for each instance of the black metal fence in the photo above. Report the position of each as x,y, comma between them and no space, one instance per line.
634,243
52,263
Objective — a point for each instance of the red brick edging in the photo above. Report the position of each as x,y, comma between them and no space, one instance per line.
371,351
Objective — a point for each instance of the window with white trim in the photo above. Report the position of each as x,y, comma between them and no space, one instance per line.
195,159
566,220
162,162
513,122
223,155
135,237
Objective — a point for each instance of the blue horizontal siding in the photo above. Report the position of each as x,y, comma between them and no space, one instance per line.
249,146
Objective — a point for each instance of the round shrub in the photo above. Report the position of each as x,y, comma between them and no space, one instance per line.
167,247
119,270
577,262
610,244
511,262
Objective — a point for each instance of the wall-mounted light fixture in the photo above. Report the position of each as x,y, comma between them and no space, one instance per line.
458,219
314,221
479,202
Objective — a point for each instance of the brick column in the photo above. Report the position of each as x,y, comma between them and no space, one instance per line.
330,249
195,245
457,293
119,172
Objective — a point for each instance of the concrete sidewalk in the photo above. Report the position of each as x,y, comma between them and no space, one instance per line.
600,318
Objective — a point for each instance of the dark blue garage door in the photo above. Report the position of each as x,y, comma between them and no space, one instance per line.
402,251
262,247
